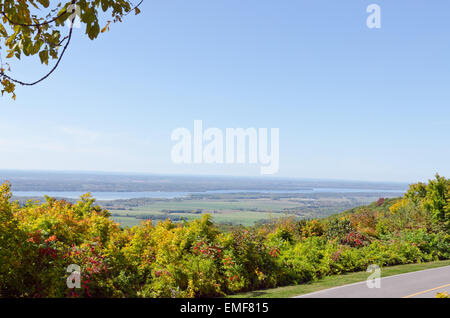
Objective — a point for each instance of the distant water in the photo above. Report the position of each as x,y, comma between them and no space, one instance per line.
171,195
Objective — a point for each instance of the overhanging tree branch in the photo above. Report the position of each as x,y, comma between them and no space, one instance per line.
35,25
28,34
69,37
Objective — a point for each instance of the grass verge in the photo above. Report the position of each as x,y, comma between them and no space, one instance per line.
336,280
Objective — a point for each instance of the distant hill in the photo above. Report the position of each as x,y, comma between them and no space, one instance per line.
117,182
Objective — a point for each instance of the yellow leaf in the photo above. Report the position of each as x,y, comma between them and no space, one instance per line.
106,27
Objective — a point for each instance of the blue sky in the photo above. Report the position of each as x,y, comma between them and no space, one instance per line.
350,102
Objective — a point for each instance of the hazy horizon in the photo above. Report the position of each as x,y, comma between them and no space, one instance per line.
157,174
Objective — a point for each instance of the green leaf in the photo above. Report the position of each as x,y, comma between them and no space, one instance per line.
45,3
43,55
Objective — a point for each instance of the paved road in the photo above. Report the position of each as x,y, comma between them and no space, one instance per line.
423,284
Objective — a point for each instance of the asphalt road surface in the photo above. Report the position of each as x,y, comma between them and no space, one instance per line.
420,284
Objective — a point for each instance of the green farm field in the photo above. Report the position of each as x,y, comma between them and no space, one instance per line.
232,209
244,218
245,212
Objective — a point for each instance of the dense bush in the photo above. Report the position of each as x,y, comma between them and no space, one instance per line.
338,228
38,241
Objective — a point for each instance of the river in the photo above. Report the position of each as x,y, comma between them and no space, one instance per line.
171,195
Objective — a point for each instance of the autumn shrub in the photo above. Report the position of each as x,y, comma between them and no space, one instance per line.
347,259
355,239
39,240
312,228
365,221
338,228
434,245
257,267
405,214
296,266
281,234
433,197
